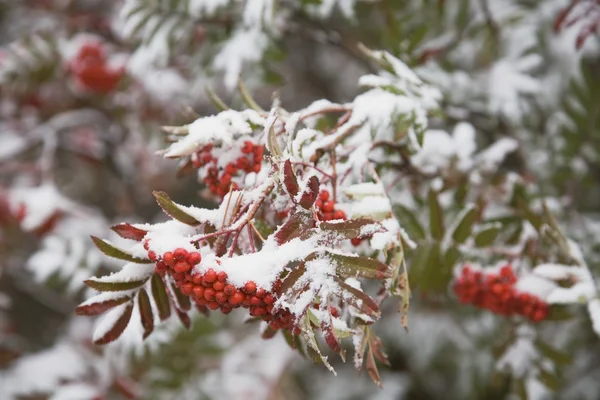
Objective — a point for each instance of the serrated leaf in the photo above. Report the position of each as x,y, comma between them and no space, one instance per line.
409,221
289,179
117,253
310,193
101,306
464,224
372,368
113,286
159,293
128,231
436,216
173,210
487,236
360,266
351,228
118,327
146,315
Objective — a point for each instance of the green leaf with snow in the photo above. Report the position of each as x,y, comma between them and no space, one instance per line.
464,224
359,266
115,252
173,210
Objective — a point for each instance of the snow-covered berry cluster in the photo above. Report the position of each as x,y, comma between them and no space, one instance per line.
498,293
92,71
212,289
326,207
219,178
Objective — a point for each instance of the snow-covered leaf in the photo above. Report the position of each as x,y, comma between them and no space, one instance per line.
115,252
173,210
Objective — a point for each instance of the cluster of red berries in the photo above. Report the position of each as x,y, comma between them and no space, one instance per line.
326,207
219,179
357,241
212,289
497,293
91,70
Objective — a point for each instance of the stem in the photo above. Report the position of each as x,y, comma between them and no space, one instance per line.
313,167
251,238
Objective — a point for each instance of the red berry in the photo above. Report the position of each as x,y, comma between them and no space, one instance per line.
181,267
339,214
328,206
324,195
201,301
260,293
194,258
218,286
147,244
258,311
198,291
213,305
221,298
268,299
225,309
209,294
168,258
197,279
356,241
319,204
256,168
237,298
187,288
229,290
152,255
255,301
250,287
210,276
222,276
180,253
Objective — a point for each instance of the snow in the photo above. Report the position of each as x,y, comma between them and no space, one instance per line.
129,273
108,320
490,158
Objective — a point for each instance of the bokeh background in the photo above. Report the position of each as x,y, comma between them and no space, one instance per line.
85,86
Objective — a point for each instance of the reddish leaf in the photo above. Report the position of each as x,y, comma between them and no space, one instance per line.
129,231
291,278
182,301
268,333
113,286
377,348
311,193
115,252
351,228
146,315
100,307
372,368
184,318
367,306
363,267
117,329
173,210
297,225
159,293
203,309
289,179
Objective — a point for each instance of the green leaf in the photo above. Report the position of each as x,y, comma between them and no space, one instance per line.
117,329
146,315
409,221
351,228
363,267
436,216
464,224
548,379
101,306
487,236
159,293
115,252
173,210
113,286
558,357
216,100
248,97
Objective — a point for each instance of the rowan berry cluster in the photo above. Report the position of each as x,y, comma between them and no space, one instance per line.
497,293
218,179
326,207
212,289
91,69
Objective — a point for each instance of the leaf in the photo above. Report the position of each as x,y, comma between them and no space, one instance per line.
268,333
372,368
548,379
146,315
310,194
312,347
161,298
351,228
359,266
559,313
216,100
173,210
409,221
128,231
183,301
247,97
367,304
294,227
464,225
292,277
184,318
289,179
113,286
558,357
118,327
436,216
377,348
101,306
272,144
487,236
115,252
